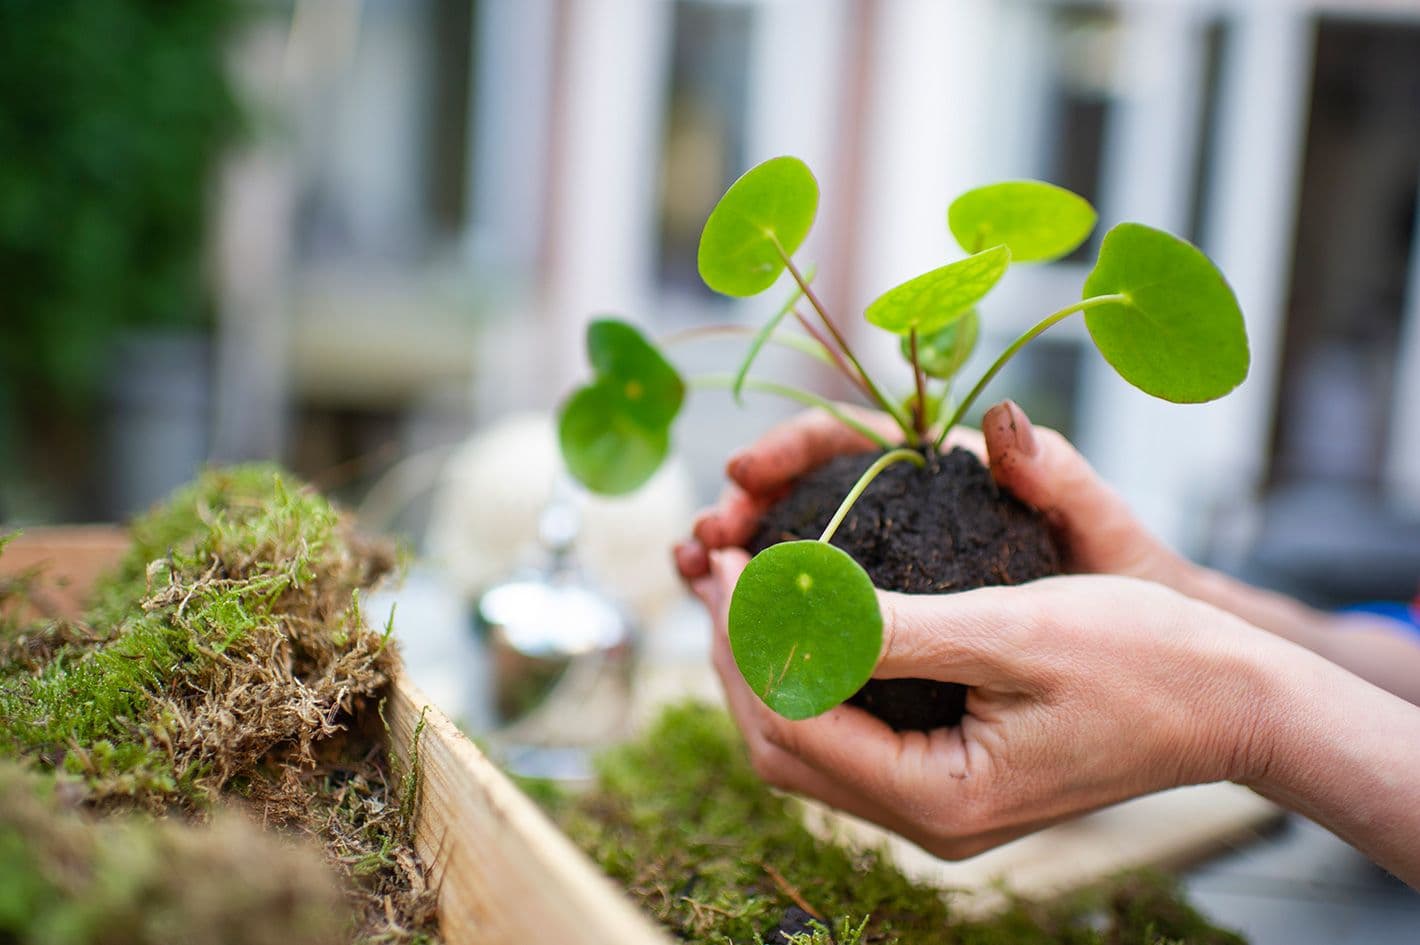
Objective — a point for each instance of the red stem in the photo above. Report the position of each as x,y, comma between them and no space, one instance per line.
919,409
854,378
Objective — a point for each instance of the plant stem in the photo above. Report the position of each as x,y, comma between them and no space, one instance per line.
882,462
919,413
873,390
837,358
1015,346
813,349
801,396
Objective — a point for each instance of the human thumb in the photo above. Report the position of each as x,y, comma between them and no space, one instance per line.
1042,469
717,586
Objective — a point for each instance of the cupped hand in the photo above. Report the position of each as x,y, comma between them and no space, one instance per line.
1091,522
1084,691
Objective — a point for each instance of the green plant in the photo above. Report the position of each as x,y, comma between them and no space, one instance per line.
804,623
116,113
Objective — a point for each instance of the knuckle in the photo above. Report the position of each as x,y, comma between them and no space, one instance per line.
958,848
782,737
764,760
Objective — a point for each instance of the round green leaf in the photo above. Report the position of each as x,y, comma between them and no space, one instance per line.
604,445
772,203
622,358
1036,220
805,628
935,299
1179,333
943,352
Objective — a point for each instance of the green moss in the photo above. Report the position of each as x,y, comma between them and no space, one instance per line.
66,879
235,567
680,819
228,655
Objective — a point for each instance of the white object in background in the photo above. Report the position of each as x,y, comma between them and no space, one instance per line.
495,487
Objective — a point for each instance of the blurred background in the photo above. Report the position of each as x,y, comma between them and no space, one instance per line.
352,234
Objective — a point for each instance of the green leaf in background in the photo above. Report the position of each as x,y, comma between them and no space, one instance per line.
943,352
1180,334
604,448
620,355
773,202
1035,220
615,431
935,299
805,628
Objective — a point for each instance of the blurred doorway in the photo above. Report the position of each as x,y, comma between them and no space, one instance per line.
1333,532
1354,245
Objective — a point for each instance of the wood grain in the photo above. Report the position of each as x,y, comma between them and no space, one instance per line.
506,875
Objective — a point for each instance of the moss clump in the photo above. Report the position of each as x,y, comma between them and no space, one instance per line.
228,659
682,821
68,880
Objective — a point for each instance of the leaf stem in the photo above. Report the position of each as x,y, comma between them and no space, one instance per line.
833,353
1035,330
812,348
873,390
919,412
882,462
801,396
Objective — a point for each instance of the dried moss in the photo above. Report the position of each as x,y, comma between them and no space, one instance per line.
680,819
227,660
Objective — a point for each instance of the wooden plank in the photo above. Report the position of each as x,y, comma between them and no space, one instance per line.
69,559
506,875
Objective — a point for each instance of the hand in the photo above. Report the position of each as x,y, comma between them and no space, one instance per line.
1091,523
1084,691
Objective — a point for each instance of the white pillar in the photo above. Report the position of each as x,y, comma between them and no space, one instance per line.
1170,461
931,112
251,264
507,147
1267,80
601,237
798,76
1152,137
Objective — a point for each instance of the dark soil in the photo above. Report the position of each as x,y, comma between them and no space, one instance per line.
795,922
920,531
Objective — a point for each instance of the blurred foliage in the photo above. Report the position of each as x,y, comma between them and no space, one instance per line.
115,114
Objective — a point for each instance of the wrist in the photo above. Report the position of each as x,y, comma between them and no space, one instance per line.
1248,694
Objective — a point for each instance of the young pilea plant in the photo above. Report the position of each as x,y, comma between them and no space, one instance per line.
804,623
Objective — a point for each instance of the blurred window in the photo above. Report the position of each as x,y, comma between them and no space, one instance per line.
1214,48
1079,96
705,127
1354,243
382,124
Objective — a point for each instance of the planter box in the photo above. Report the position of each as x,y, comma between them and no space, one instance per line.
505,874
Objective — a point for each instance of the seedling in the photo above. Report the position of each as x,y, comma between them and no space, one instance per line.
805,628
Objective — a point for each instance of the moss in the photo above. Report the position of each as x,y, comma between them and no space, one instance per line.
681,820
227,657
68,880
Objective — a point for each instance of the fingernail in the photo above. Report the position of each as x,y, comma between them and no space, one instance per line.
1021,430
735,464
